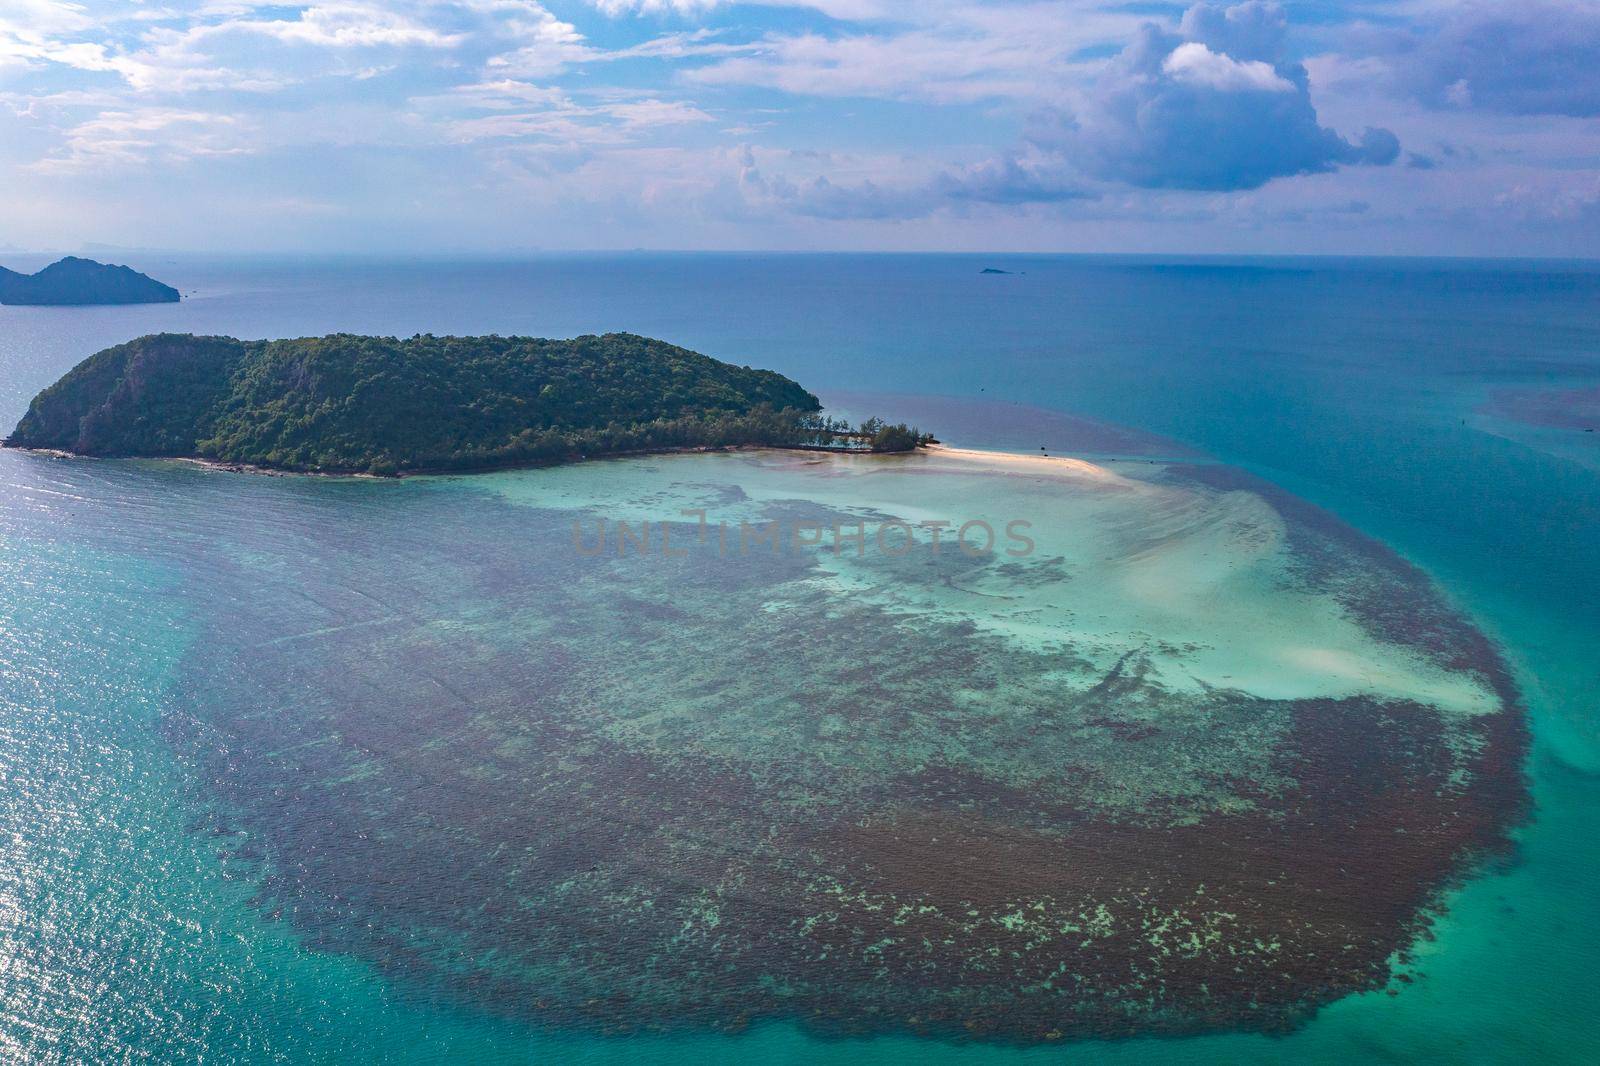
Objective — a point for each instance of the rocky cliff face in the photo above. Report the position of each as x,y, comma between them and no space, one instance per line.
151,396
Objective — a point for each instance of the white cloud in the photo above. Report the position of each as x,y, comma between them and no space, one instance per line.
649,113
918,64
135,136
257,48
35,31
550,46
508,109
615,8
347,25
943,51
217,47
1195,64
1012,109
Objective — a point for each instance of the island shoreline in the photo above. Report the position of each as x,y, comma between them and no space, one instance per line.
231,467
1052,464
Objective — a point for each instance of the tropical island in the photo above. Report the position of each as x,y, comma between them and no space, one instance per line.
78,282
386,406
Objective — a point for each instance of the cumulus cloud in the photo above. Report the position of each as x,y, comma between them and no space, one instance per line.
1528,58
1217,106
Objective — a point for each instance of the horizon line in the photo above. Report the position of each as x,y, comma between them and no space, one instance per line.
90,251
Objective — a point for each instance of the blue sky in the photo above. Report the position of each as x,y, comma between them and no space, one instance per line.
1452,127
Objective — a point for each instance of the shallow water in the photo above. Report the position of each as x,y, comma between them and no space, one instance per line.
260,744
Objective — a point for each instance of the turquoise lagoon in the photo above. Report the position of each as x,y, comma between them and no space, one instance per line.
301,768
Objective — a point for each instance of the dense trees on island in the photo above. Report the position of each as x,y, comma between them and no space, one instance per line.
874,435
347,403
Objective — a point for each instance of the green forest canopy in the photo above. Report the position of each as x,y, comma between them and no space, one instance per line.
385,405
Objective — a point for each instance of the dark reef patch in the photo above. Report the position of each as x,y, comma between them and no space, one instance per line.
686,793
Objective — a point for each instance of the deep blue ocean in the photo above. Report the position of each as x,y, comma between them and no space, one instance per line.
1365,386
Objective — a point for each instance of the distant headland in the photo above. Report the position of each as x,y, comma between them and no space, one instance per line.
386,406
74,281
